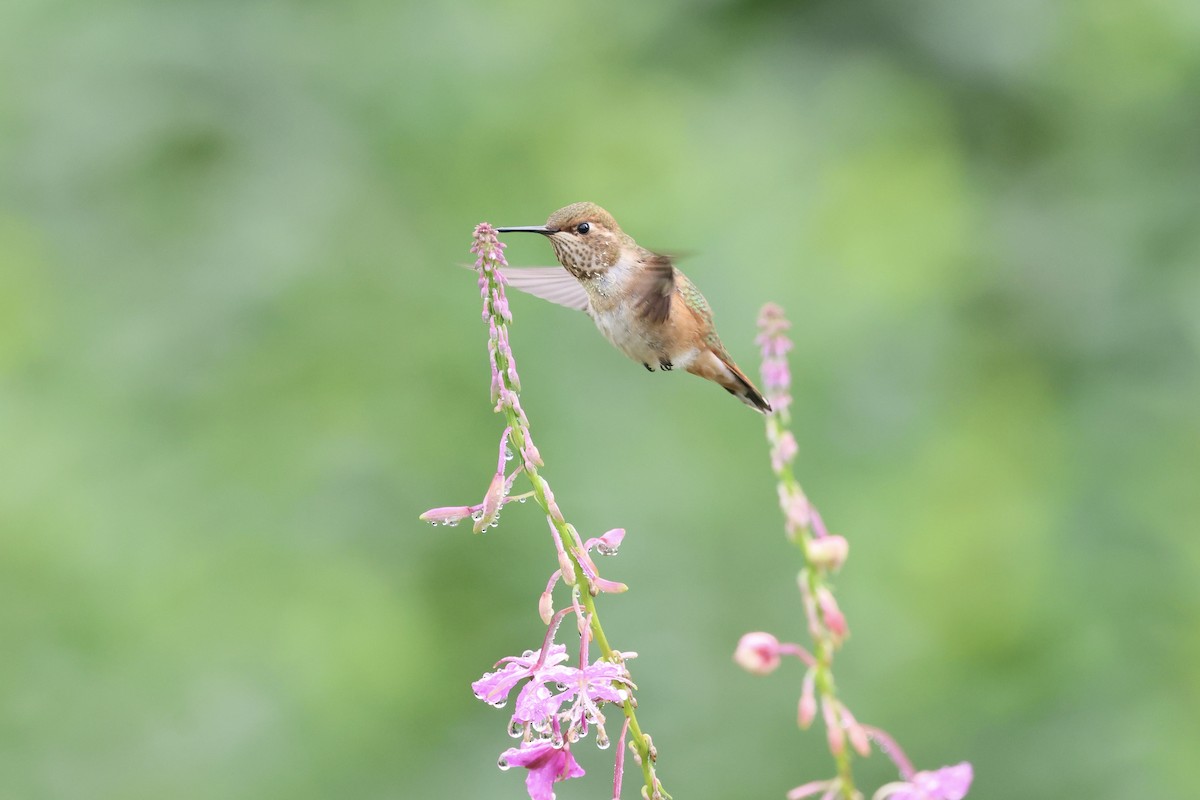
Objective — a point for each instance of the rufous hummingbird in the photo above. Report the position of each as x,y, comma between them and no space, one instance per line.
638,299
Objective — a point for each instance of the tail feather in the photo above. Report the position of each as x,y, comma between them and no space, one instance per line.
725,373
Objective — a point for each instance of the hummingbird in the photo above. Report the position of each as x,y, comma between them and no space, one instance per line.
639,299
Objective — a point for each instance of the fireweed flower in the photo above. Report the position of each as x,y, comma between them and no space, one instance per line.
760,652
546,763
947,783
585,689
557,704
494,687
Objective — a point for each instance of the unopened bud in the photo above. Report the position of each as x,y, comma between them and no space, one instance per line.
492,501
757,653
831,615
828,552
808,701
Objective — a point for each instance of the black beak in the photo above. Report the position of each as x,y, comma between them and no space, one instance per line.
542,229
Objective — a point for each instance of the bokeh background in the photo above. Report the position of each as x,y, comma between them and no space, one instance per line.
238,358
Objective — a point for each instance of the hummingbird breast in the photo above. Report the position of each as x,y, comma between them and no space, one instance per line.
671,342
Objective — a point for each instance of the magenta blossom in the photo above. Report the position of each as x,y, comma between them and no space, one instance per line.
947,783
547,766
601,682
494,687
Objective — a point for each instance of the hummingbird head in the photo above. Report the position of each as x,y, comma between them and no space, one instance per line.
585,237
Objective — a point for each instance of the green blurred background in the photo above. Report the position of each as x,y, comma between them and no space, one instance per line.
237,360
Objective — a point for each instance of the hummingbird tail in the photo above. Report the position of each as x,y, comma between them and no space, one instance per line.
725,373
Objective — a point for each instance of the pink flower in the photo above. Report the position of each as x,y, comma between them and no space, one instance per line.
601,682
947,783
757,653
547,766
494,687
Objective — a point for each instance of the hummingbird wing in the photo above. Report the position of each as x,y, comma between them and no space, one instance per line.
549,283
653,288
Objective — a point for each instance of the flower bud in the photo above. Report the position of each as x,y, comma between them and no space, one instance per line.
447,515
757,653
808,701
492,501
831,615
828,552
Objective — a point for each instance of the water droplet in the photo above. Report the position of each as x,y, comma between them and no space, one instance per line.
502,763
508,453
527,654
602,740
516,729
572,735
562,687
500,703
477,515
523,499
453,523
434,524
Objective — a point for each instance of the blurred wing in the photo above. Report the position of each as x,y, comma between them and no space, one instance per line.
549,283
653,288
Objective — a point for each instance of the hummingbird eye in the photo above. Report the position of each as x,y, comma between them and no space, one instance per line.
583,227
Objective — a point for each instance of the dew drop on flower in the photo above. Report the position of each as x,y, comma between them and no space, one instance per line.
477,515
523,499
602,740
508,453
562,687
500,703
516,729
502,763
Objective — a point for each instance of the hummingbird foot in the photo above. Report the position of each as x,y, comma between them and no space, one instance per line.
666,364
648,367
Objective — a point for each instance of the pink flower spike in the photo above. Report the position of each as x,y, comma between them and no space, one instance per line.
606,544
828,552
808,701
810,789
757,653
448,515
547,766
